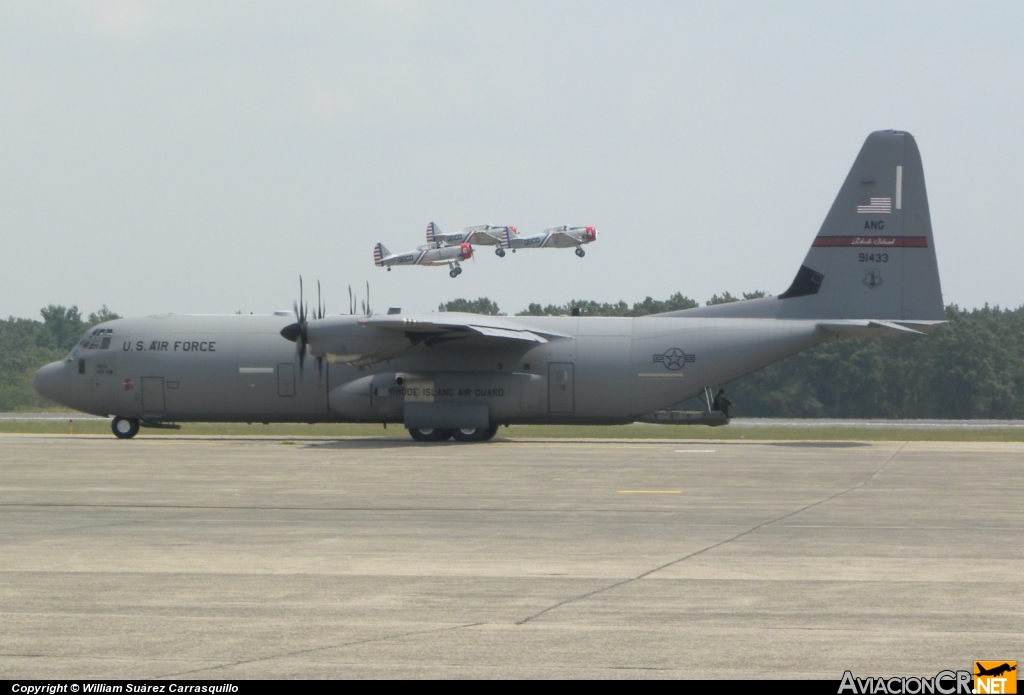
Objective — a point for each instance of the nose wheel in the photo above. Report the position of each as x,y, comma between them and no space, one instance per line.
580,252
499,252
124,428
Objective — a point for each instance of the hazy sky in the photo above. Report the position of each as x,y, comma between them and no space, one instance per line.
197,157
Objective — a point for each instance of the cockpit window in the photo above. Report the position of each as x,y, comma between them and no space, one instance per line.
98,339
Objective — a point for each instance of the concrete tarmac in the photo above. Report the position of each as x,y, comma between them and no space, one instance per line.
227,558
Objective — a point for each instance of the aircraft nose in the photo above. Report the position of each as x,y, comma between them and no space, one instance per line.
47,381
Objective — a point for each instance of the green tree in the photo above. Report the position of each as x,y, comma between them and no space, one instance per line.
724,298
483,305
590,308
63,325
101,316
26,345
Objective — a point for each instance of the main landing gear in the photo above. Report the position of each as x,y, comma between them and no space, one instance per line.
464,434
580,252
125,428
455,271
499,252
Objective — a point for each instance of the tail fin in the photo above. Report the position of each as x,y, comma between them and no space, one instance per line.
505,240
874,256
380,252
432,231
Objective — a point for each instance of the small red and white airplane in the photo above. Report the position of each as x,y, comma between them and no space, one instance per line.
430,254
555,238
481,235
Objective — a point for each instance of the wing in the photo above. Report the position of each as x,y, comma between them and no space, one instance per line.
560,239
429,328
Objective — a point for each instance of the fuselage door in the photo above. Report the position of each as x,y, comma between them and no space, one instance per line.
286,379
561,398
152,394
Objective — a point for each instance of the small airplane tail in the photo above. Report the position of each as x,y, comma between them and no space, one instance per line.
432,231
505,240
380,252
874,256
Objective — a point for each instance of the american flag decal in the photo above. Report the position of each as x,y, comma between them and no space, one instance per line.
431,230
874,205
378,255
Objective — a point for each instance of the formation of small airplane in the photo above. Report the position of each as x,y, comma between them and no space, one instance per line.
870,271
450,249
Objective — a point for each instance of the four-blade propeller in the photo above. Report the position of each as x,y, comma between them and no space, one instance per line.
298,332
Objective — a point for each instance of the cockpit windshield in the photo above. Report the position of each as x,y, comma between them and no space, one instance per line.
98,339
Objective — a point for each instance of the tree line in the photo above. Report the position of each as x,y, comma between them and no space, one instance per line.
972,367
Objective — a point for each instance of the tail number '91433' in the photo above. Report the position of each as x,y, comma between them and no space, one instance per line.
873,257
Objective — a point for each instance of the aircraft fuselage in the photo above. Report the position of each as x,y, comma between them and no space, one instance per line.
238,368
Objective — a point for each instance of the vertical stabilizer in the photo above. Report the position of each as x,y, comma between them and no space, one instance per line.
874,256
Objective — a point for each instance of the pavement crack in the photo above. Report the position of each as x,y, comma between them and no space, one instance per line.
752,529
314,650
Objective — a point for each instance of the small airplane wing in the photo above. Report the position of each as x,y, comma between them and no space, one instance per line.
457,325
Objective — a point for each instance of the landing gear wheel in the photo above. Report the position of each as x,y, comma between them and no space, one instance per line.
479,434
499,252
580,252
427,435
124,428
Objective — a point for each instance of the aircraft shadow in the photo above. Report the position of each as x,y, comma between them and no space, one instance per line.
357,444
822,445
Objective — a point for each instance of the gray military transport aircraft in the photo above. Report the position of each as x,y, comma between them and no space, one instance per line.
871,271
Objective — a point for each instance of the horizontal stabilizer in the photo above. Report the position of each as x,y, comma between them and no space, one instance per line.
853,328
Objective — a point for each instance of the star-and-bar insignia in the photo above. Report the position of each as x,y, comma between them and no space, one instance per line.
674,358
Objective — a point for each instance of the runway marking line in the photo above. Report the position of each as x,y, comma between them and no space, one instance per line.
695,451
650,492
